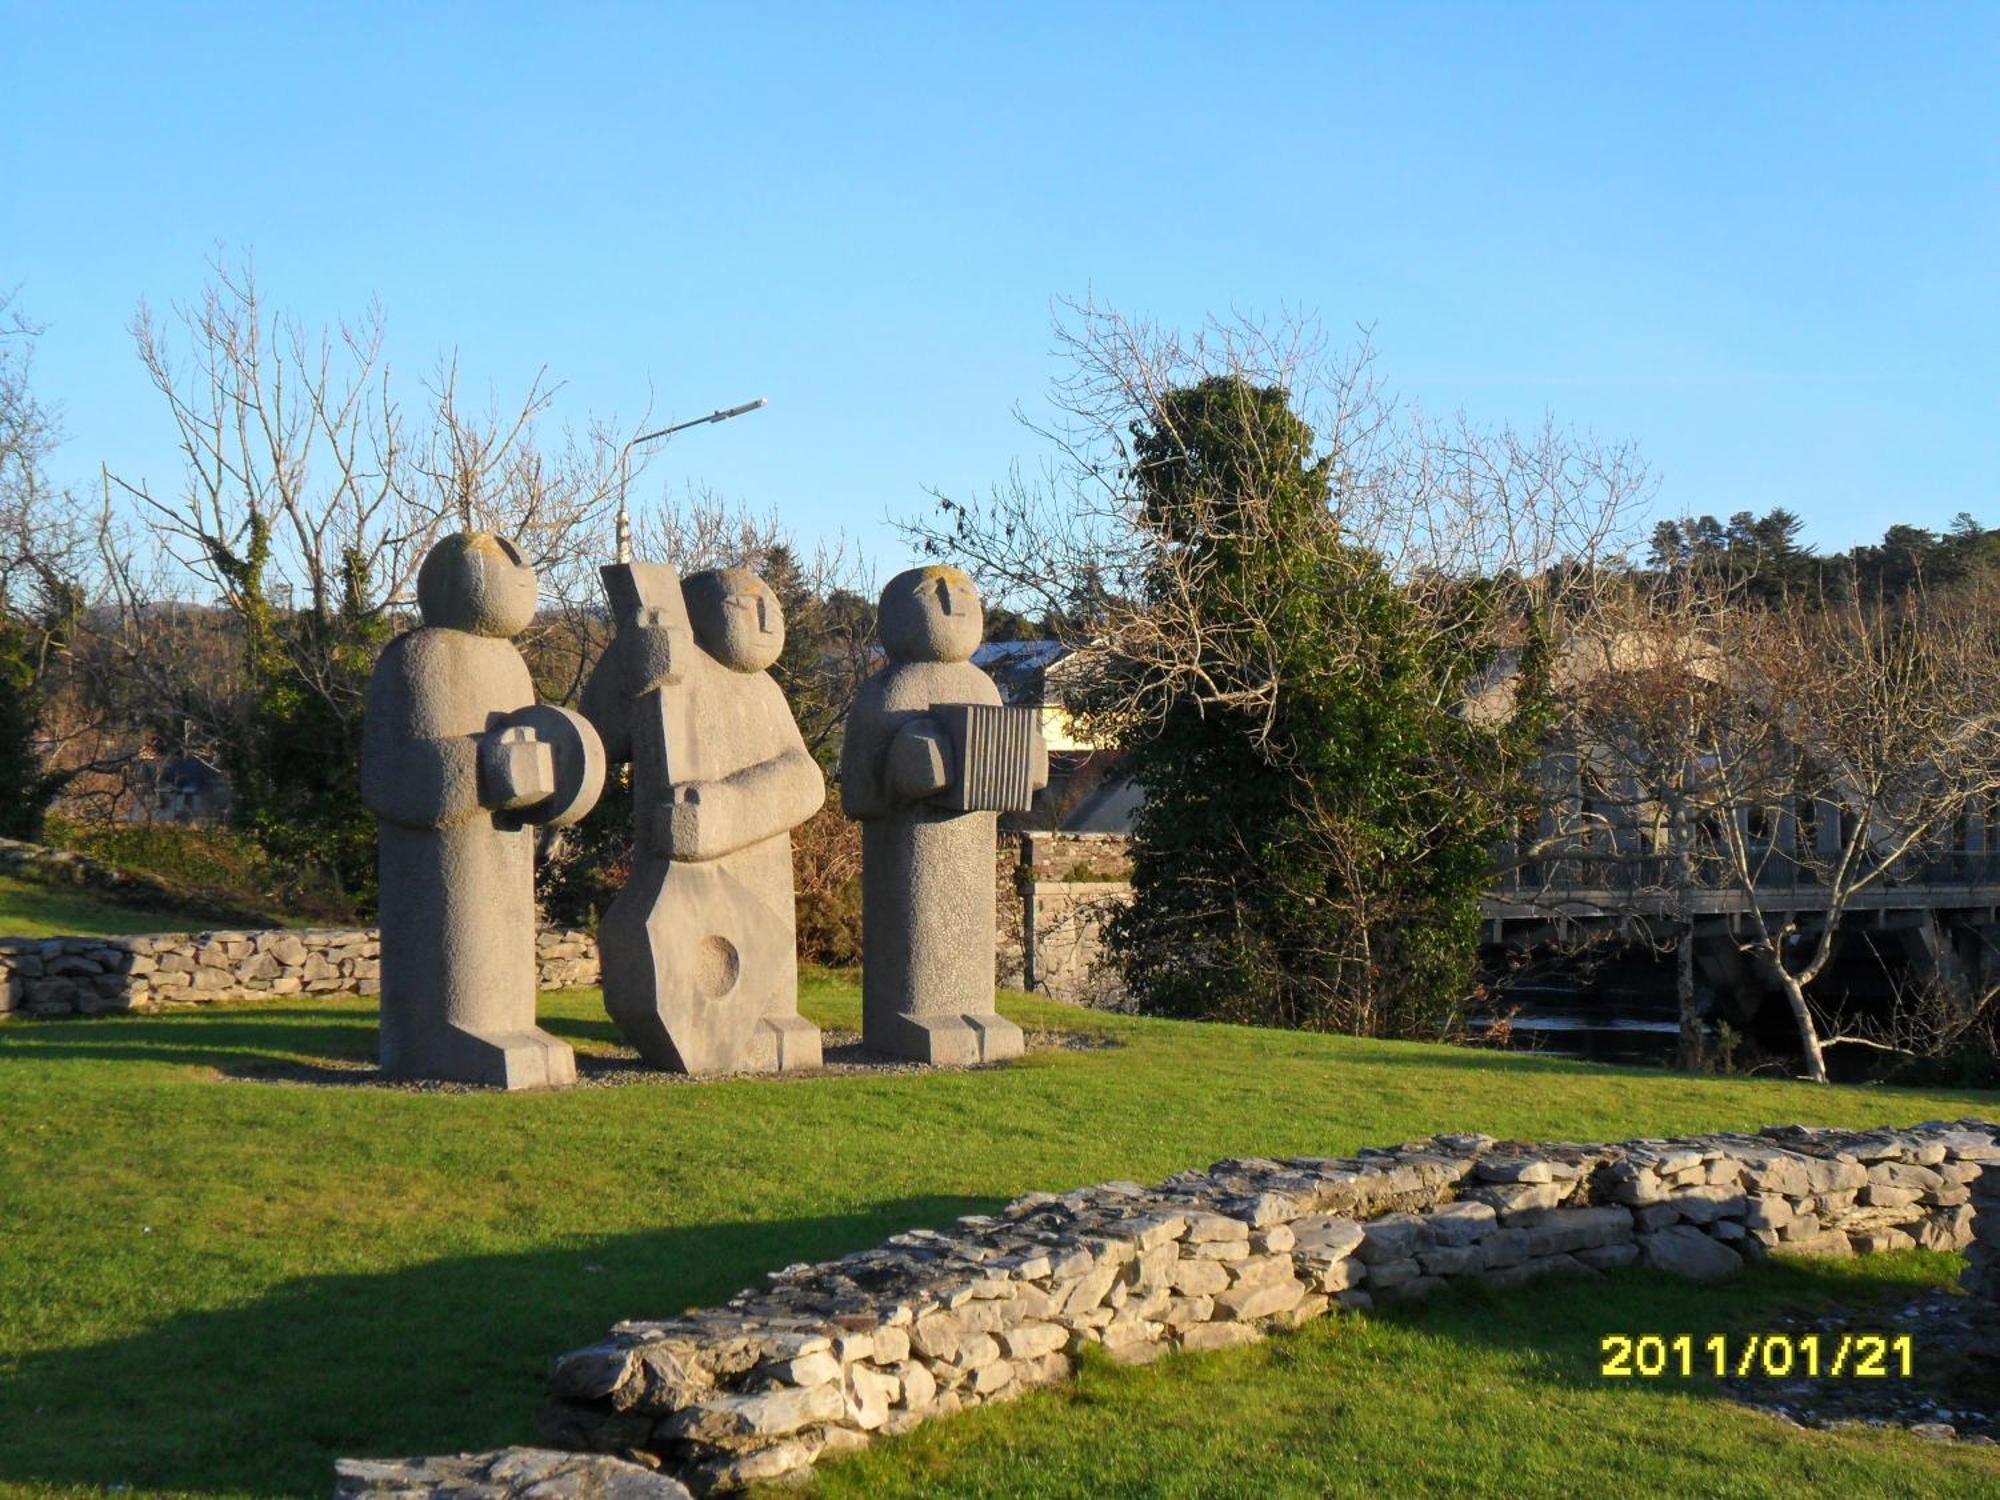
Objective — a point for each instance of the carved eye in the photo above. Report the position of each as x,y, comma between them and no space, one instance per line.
944,594
763,615
513,553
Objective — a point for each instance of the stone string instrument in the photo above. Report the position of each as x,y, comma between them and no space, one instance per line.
828,1356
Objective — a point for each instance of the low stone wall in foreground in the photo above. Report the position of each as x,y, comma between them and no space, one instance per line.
1982,1271
88,976
931,1322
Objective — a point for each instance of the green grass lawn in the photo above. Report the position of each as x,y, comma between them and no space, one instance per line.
31,910
213,1285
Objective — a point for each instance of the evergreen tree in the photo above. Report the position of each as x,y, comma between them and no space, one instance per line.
1311,869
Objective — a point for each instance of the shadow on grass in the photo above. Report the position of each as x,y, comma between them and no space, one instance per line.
217,1040
232,1040
452,1355
1559,1326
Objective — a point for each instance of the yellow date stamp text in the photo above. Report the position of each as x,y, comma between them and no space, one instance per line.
1774,1356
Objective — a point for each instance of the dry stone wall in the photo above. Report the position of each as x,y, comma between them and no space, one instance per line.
828,1356
504,1474
88,976
1982,1272
1070,886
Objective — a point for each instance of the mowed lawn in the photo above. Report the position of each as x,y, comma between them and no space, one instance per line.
212,1283
29,909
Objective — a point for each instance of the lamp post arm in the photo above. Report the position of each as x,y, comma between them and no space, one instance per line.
625,462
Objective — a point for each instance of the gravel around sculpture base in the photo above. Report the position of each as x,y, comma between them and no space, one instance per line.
459,764
699,950
930,759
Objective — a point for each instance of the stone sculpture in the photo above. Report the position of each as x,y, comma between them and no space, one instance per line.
459,763
699,950
930,760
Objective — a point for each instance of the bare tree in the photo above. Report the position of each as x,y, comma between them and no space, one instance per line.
1491,541
1619,848
1442,504
1758,772
57,716
1865,743
307,498
306,481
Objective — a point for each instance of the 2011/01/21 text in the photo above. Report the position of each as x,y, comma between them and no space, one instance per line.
1778,1356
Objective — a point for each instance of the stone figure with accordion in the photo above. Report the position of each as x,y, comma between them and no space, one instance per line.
930,760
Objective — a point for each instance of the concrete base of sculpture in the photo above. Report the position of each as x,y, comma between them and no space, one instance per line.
957,1041
510,1060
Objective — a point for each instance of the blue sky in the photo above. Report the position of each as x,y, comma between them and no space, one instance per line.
1763,241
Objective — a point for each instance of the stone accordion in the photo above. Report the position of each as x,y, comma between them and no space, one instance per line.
930,759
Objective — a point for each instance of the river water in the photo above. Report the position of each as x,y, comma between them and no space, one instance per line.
1559,1016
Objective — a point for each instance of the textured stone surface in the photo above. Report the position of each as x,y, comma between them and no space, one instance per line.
1982,1254
458,764
1685,1251
929,760
935,1321
1062,890
507,1474
154,971
699,949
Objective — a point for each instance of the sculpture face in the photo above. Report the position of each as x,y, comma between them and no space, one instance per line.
931,614
736,618
476,582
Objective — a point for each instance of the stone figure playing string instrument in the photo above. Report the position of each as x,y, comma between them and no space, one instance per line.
699,950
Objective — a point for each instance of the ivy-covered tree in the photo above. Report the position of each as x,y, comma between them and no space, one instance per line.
1306,862
1283,592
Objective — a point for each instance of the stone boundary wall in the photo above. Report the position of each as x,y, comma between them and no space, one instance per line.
1982,1271
90,976
932,1322
1070,885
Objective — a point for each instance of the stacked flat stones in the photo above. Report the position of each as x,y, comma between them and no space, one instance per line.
1982,1272
931,1322
505,1474
87,976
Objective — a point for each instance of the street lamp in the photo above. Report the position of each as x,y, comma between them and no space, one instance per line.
624,463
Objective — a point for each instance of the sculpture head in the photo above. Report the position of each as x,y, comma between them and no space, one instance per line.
736,618
931,614
476,582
